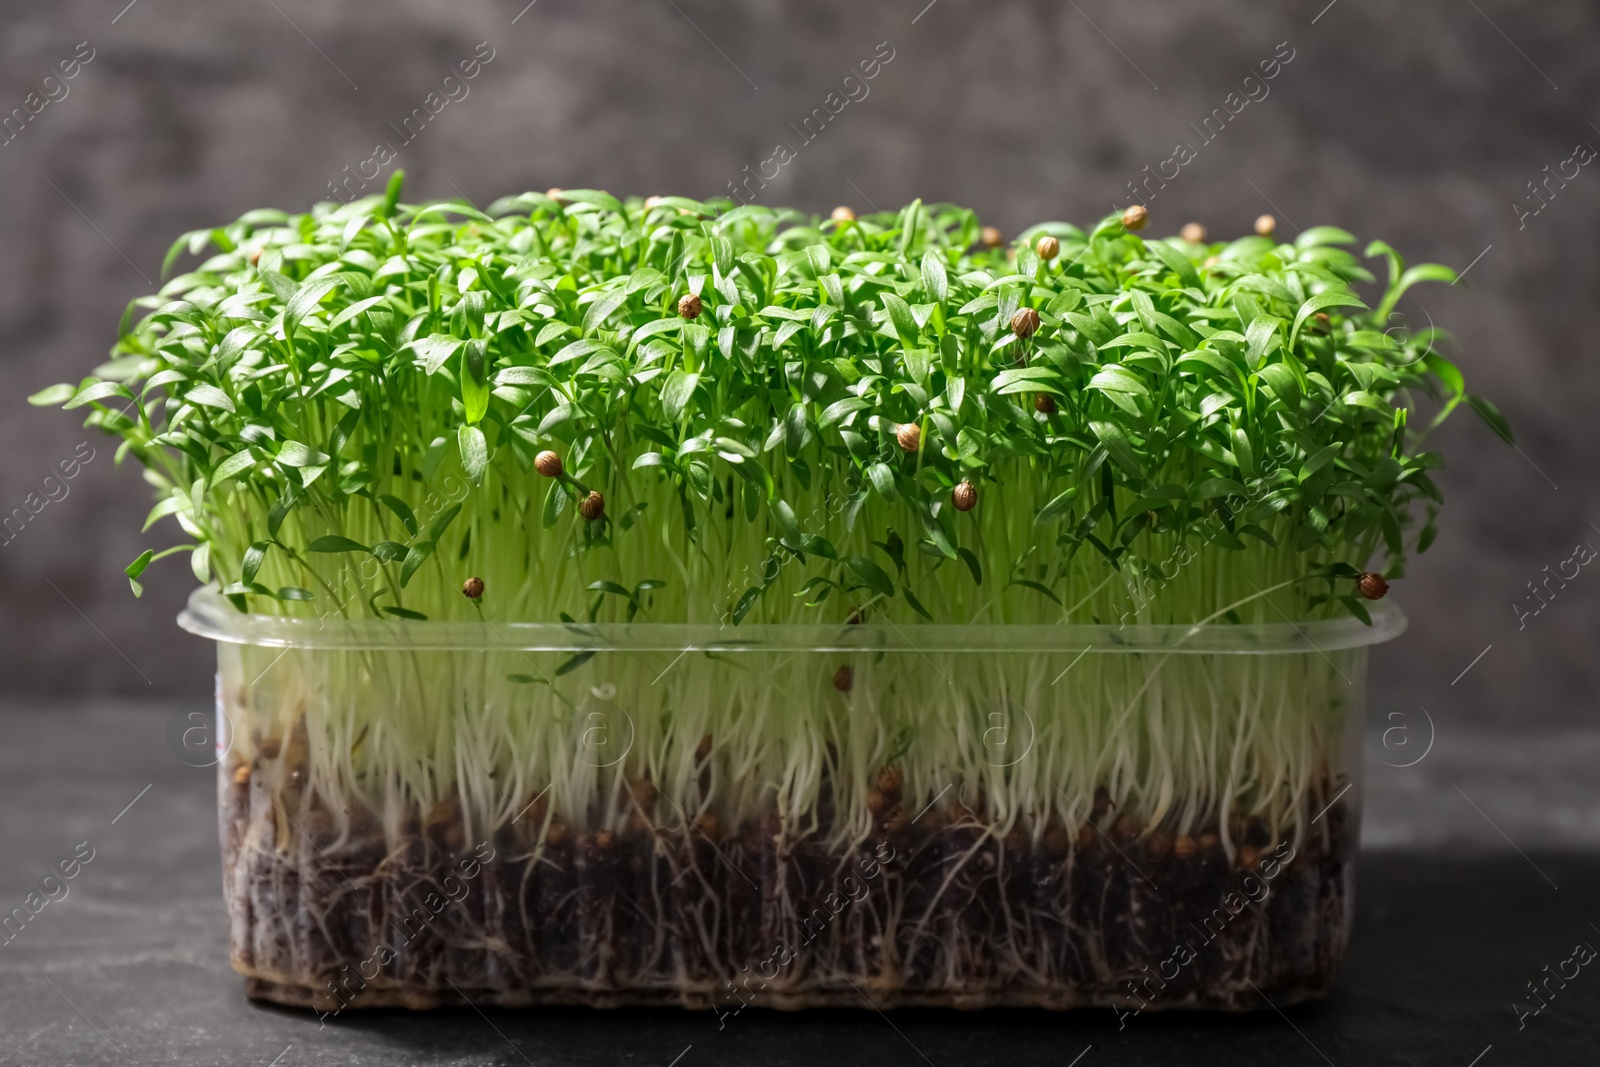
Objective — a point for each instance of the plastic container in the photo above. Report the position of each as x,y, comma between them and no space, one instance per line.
426,813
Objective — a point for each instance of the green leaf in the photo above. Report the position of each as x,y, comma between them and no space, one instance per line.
870,573
675,395
1491,415
402,511
414,559
474,379
304,301
574,663
233,466
297,454
254,556
474,452
1180,264
905,324
210,396
442,522
97,391
1318,303
335,543
1117,446
136,568
1057,507
53,396
935,279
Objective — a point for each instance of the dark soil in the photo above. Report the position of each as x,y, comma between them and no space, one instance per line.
329,912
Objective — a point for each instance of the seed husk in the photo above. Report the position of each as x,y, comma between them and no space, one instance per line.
1025,323
909,436
1266,225
1372,586
1193,232
548,464
891,780
689,306
990,236
593,506
843,214
844,678
1044,403
558,195
1048,248
964,497
472,588
1136,217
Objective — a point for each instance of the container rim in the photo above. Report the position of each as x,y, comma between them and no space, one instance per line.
210,614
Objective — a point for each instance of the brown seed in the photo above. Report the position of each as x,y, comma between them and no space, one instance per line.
897,821
558,195
877,803
1321,323
268,747
1248,855
855,618
843,214
1048,248
603,839
689,306
1127,827
472,588
1372,586
1044,403
548,464
241,774
989,236
932,822
1208,841
909,434
644,792
844,678
891,780
1056,840
964,497
593,506
1136,217
1159,844
708,825
1184,847
1193,232
558,835
1085,837
1265,225
1025,323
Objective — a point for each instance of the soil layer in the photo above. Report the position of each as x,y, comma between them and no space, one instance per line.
331,912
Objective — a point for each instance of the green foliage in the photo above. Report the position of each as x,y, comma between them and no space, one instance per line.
345,407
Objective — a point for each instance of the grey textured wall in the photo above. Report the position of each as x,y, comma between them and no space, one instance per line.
1420,122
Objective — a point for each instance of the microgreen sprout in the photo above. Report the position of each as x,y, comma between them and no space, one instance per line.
766,416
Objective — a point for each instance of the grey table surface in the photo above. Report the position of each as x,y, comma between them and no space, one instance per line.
1481,867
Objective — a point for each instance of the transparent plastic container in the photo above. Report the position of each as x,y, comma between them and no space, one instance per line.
427,813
